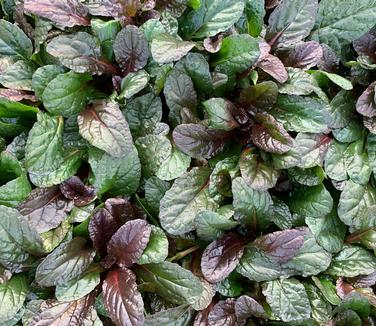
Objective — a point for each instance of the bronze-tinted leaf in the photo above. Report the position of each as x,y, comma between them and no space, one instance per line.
121,298
281,245
366,44
305,55
246,307
45,208
223,313
274,67
128,243
121,209
74,189
259,97
366,104
131,49
17,95
65,13
221,257
55,313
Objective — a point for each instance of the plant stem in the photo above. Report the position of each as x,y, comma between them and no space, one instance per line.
184,253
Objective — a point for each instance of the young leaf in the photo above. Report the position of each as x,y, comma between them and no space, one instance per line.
133,83
259,97
255,12
65,13
121,298
246,307
221,257
128,243
223,313
156,250
220,114
366,103
304,56
74,189
103,126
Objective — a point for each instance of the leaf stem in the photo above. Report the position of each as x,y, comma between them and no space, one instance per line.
184,253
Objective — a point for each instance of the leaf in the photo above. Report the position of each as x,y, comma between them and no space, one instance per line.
65,13
246,307
103,126
365,104
281,245
74,189
133,83
155,189
198,141
274,67
121,298
65,263
305,55
269,135
256,173
131,49
187,197
302,114
321,309
14,42
223,313
45,208
67,94
180,315
251,206
287,299
116,176
261,96
220,258
336,79
352,261
220,114
210,225
174,166
156,250
128,243
211,18
342,109
238,53
13,294
18,75
255,13
166,48
172,282
341,22
52,312
80,52
291,22
179,93
43,76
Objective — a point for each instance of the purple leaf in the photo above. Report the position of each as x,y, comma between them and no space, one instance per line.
74,189
329,61
223,313
121,298
221,257
17,95
366,44
45,208
281,245
305,55
246,307
121,209
65,13
198,141
366,103
274,67
128,243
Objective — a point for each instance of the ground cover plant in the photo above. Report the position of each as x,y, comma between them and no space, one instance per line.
187,162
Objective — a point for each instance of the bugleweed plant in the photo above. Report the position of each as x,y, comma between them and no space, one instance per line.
187,162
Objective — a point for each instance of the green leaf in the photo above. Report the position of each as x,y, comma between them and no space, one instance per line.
103,125
133,83
287,299
177,316
352,261
334,165
67,94
117,176
261,96
302,114
172,282
43,76
166,48
328,230
371,151
65,263
257,174
13,41
336,79
152,146
342,109
237,53
357,163
184,200
293,20
143,113
174,166
18,75
328,289
255,12
251,206
210,225
321,309
340,22
353,205
307,177
220,111
10,109
212,17
14,184
352,132
77,288
156,250
12,296
311,201
154,191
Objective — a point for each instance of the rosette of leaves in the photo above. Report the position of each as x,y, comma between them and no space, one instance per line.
187,162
